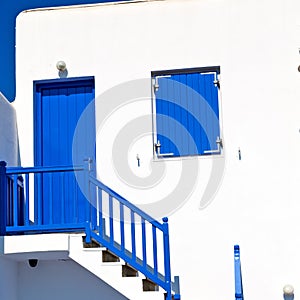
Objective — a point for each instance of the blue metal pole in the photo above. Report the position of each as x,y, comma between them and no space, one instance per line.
167,258
3,198
238,274
176,288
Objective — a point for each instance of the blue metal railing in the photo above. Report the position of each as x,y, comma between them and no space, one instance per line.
36,200
239,295
125,221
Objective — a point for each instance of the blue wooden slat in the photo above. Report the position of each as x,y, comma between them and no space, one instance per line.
133,243
167,262
111,219
197,130
155,260
26,185
144,242
44,169
100,214
122,228
50,176
47,228
39,201
208,82
15,200
62,197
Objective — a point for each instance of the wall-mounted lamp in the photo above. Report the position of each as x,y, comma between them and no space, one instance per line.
288,292
62,69
33,262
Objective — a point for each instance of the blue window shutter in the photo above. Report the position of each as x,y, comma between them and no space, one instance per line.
187,113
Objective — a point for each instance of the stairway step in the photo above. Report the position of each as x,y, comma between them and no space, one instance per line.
128,271
108,256
93,244
150,286
165,296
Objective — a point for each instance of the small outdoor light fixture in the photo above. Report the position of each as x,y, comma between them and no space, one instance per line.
62,69
33,262
61,66
288,292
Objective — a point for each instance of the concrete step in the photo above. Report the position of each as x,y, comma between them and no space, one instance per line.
113,270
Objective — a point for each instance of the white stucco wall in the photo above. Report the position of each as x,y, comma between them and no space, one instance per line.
55,276
61,280
9,148
9,279
256,45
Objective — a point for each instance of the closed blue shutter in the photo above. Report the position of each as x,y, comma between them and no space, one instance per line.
187,113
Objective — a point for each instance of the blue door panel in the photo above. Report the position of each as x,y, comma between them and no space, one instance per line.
187,114
58,107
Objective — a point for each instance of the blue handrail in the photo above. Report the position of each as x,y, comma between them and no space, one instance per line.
239,295
132,234
119,221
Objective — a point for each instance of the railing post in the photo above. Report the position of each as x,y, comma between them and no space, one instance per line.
176,288
239,295
167,262
3,198
86,192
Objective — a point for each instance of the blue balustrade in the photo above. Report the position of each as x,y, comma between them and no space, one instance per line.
48,199
34,200
132,222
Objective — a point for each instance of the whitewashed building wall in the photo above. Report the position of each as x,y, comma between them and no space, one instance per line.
256,44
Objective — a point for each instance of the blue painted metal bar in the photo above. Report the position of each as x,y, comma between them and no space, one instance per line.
39,199
21,170
133,244
111,219
239,295
155,260
144,243
167,262
3,198
100,214
26,199
47,228
176,288
15,200
122,228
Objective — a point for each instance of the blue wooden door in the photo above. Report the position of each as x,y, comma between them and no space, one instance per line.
58,106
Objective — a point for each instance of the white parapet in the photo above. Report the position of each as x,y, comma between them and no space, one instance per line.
9,147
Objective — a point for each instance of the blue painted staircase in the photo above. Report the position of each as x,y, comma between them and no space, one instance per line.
48,199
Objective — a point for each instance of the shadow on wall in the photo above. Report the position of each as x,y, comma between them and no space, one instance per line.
9,143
